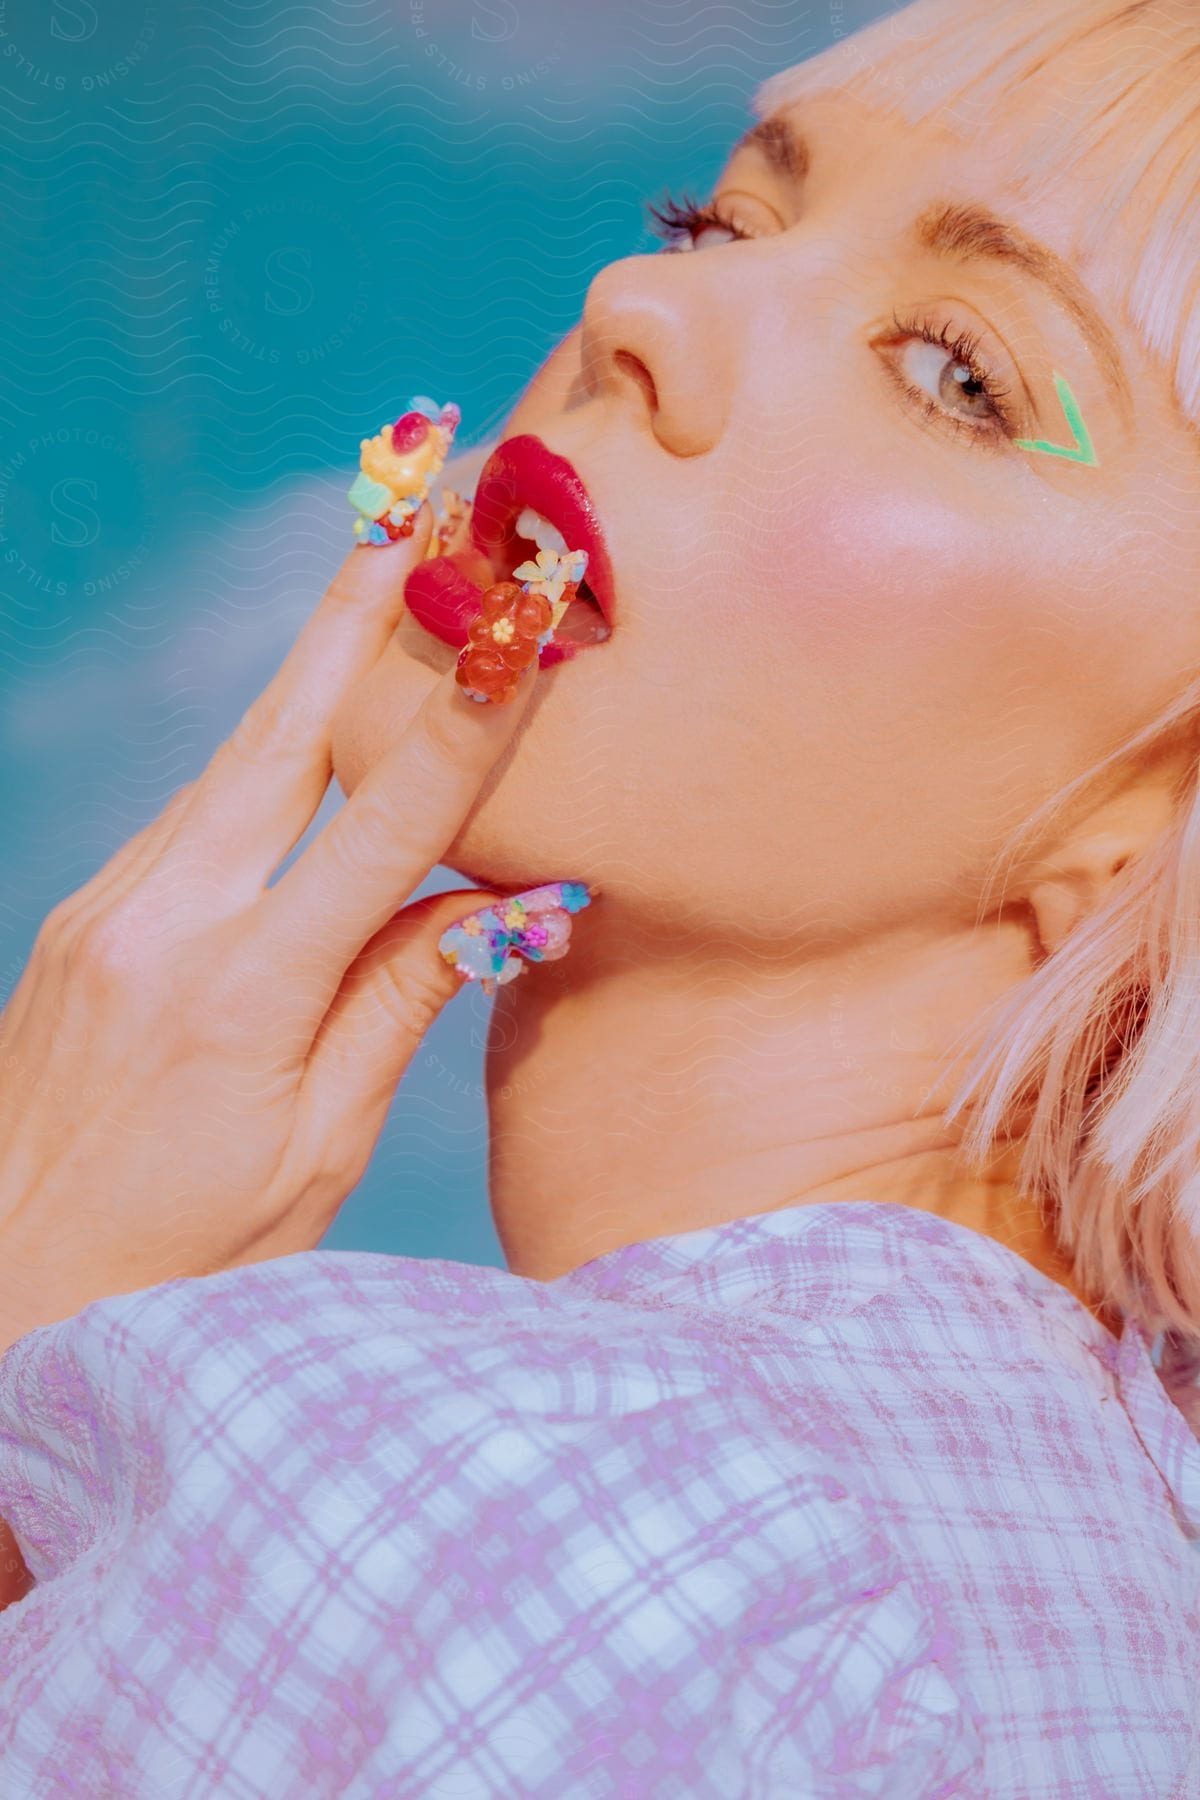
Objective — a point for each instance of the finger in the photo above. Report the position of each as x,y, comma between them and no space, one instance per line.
72,915
128,864
397,824
389,997
258,795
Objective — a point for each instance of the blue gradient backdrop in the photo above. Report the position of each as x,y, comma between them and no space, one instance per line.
237,235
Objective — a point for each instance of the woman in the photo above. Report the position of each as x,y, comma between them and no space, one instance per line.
812,1441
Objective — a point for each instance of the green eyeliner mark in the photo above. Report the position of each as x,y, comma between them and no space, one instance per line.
1081,450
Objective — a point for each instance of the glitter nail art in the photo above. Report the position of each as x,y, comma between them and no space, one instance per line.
496,944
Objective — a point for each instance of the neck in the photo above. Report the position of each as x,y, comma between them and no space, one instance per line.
637,1090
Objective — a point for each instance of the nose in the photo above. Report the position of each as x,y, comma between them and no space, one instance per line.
655,337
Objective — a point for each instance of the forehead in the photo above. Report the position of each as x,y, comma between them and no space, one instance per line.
1015,159
920,169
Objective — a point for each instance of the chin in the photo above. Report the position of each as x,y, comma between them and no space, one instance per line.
482,862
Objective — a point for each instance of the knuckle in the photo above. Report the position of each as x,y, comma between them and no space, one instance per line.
111,947
377,825
367,833
58,921
345,590
271,730
438,747
340,1167
411,996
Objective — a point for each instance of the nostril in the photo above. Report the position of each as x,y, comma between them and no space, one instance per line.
635,369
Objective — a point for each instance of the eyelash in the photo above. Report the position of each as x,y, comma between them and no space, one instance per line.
674,217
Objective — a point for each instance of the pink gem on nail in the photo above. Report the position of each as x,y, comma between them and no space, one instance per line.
411,429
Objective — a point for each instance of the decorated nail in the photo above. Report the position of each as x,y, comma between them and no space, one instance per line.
488,946
516,619
397,467
450,510
503,641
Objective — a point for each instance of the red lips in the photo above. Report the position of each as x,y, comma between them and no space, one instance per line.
443,592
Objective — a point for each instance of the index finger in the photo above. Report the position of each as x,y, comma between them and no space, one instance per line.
397,824
260,790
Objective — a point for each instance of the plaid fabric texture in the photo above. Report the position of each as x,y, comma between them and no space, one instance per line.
837,1501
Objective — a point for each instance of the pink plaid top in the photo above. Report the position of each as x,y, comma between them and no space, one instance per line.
840,1500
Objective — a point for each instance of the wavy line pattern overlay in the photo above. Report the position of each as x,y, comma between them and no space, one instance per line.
237,231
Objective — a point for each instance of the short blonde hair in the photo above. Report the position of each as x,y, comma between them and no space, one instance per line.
1092,1065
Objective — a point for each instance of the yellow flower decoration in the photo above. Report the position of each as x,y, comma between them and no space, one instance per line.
472,927
503,631
547,575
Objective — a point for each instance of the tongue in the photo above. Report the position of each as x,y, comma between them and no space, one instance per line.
582,623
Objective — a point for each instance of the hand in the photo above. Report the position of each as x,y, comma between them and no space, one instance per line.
195,1067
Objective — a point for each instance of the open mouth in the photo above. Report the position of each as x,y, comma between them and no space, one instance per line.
583,622
527,499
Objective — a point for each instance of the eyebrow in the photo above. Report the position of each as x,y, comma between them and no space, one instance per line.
969,233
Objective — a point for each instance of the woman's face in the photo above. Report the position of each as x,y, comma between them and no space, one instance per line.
859,634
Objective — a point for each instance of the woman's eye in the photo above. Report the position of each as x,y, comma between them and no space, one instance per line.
686,225
705,234
939,369
939,373
946,374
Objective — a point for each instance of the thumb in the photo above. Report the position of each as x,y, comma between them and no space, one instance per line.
391,994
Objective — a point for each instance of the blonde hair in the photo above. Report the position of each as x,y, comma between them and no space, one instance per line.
1092,1064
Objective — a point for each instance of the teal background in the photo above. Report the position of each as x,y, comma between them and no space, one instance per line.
237,235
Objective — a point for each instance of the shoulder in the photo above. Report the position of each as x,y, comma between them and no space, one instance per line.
553,1540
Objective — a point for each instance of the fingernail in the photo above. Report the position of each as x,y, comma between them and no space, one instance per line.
516,621
488,946
503,642
396,468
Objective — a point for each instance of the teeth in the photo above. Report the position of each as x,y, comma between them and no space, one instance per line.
545,535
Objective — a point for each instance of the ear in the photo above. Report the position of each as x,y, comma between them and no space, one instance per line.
1068,885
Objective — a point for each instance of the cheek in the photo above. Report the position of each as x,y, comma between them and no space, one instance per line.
858,565
904,676
916,607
